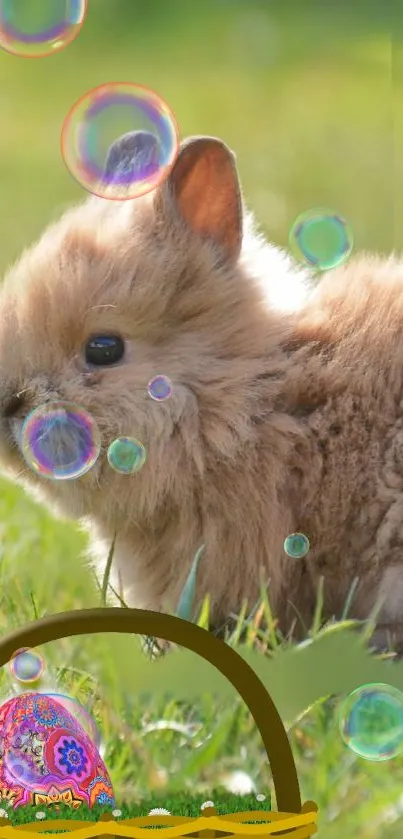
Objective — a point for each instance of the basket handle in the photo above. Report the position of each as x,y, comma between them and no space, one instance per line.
200,641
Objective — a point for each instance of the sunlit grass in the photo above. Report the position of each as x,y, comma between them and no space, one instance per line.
166,747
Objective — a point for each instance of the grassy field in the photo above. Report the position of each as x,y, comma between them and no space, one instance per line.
309,96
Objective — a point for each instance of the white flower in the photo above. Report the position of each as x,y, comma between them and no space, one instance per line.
41,815
239,783
159,811
206,804
3,814
260,797
116,814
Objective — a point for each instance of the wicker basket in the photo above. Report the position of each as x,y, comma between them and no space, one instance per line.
292,819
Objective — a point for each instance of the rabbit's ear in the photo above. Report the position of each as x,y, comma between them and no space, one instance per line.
203,184
204,187
134,153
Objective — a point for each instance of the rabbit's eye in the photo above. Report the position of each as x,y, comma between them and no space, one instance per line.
103,350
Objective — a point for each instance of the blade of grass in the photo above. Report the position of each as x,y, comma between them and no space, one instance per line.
184,608
32,598
274,637
107,572
118,597
318,615
350,598
204,617
235,635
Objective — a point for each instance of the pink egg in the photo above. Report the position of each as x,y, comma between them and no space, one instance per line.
46,757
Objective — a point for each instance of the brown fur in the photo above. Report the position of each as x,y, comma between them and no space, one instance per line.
347,387
280,420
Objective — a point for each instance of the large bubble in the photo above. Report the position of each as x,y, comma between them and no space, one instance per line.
120,140
60,441
371,721
37,28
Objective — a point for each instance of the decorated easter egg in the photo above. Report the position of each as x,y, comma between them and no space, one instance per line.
46,756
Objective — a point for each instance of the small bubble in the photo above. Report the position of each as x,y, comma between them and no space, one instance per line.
160,388
26,666
321,238
38,28
126,455
296,545
371,722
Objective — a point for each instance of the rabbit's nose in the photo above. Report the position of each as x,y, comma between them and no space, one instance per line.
13,404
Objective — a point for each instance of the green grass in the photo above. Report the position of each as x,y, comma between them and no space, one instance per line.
309,95
151,747
178,805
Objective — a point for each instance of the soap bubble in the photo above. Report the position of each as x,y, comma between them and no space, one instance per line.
60,441
296,545
126,455
37,28
79,713
160,388
321,238
26,666
371,721
17,765
120,140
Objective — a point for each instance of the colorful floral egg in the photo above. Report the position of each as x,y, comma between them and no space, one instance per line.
46,757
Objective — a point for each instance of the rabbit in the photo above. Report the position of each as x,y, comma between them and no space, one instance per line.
182,284
285,414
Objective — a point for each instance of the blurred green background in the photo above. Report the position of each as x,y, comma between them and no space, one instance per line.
309,95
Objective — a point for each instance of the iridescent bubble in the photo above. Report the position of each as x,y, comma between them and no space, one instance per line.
17,766
371,721
47,752
37,28
60,441
296,545
160,388
120,140
321,238
126,455
26,666
79,713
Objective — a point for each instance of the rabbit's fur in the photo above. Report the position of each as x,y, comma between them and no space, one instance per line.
283,418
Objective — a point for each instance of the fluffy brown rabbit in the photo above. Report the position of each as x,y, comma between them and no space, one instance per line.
286,407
